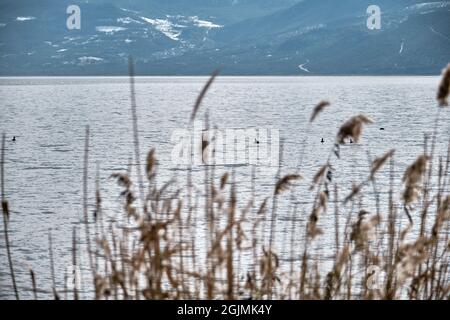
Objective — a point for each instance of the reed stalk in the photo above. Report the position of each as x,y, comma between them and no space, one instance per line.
5,210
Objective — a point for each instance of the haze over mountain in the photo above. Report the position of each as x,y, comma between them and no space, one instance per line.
245,37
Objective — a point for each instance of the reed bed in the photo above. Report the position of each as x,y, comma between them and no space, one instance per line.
399,251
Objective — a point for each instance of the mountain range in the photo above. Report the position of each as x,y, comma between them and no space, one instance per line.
243,37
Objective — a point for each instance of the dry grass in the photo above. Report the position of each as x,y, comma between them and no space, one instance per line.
444,87
318,109
158,255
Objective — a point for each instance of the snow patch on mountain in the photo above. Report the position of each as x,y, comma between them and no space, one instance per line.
89,60
109,29
429,5
203,23
439,34
172,26
128,10
302,67
128,20
21,19
165,27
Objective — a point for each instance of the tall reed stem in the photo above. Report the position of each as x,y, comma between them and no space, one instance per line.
5,221
85,201
136,134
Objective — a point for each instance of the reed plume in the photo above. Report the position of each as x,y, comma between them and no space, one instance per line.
318,109
379,162
203,93
285,183
151,164
444,87
320,174
414,173
352,128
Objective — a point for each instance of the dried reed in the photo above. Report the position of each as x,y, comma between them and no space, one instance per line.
5,211
178,255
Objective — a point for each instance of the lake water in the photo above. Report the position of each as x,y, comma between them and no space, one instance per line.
44,167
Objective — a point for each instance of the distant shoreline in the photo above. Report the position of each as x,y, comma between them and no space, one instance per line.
222,76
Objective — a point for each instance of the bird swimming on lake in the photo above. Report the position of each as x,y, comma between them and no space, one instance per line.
14,139
257,142
329,175
322,140
381,129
